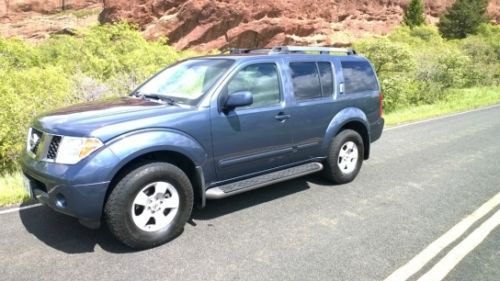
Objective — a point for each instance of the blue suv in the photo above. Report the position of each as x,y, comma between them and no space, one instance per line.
204,128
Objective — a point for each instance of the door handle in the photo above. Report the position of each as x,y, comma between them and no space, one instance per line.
282,116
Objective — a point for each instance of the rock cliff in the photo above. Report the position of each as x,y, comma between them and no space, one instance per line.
37,19
13,7
210,24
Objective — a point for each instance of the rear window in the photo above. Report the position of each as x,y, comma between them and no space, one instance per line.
358,77
312,79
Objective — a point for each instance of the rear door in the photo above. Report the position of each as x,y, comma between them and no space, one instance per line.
312,87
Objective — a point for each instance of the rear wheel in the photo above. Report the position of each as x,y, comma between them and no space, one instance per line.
150,205
345,157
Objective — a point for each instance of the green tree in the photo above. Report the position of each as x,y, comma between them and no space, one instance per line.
414,14
462,18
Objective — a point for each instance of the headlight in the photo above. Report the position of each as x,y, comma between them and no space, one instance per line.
72,149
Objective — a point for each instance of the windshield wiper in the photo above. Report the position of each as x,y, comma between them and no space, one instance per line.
168,100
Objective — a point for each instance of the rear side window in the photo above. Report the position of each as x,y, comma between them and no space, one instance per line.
326,78
305,79
358,77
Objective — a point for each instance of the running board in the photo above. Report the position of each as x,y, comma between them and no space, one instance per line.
238,187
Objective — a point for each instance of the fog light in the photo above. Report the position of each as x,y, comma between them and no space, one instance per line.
60,201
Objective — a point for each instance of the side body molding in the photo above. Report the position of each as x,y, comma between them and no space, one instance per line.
349,114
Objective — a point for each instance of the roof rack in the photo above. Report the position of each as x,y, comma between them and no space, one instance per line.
290,50
240,51
302,50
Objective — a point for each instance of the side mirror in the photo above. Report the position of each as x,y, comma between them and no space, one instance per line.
238,99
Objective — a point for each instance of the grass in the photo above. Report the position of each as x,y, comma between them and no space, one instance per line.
11,189
11,185
457,101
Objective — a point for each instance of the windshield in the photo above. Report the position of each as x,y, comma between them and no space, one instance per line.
187,80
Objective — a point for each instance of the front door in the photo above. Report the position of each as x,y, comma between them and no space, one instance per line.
252,139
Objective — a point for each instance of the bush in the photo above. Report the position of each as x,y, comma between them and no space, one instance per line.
393,62
100,61
416,66
387,56
25,93
446,68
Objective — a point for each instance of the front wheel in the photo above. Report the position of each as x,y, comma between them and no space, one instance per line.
345,157
150,205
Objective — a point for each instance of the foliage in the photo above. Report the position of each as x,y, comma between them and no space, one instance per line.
387,56
462,18
11,189
416,66
414,14
456,100
101,61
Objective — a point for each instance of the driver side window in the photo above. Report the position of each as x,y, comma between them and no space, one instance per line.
261,80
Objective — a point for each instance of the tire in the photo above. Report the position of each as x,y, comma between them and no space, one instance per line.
339,169
150,190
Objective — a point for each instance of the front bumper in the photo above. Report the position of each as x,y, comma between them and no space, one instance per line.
76,190
82,201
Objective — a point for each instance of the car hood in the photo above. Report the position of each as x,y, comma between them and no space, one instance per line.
107,118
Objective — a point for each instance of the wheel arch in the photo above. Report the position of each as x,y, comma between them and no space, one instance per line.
348,118
178,148
193,172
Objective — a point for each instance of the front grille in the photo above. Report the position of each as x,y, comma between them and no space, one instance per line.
34,140
53,147
42,145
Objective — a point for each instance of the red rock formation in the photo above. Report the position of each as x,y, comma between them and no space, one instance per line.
8,7
37,19
210,24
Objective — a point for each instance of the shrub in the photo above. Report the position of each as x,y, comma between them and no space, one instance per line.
394,64
417,66
17,54
26,93
387,56
100,61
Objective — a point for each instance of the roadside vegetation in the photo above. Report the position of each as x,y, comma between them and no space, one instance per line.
11,189
457,100
417,66
422,75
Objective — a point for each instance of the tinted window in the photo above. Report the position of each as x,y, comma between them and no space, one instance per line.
358,77
259,79
326,77
305,80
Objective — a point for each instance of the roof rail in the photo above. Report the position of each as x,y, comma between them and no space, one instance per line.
239,51
302,49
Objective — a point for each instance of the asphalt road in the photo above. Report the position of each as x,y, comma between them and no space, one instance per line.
421,181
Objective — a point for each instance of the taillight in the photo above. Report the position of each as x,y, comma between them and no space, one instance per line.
381,104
